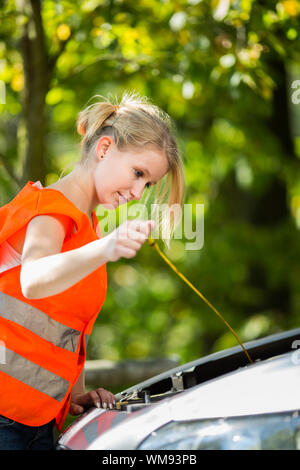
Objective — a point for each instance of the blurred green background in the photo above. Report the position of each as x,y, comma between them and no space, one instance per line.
226,72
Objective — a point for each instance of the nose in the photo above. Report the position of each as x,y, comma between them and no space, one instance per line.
137,191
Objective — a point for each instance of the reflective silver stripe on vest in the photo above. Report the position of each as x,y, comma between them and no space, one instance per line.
35,376
38,322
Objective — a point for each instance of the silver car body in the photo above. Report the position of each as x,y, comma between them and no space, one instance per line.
268,386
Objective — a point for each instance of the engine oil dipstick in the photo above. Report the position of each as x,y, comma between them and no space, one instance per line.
153,243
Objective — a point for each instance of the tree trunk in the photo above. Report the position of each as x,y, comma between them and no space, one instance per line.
37,74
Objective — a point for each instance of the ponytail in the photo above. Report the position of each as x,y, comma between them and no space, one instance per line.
92,120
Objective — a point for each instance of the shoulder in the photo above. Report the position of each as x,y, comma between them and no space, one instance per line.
45,236
61,220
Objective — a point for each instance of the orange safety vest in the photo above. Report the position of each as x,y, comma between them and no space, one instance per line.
45,339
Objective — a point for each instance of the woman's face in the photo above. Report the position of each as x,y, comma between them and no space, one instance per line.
120,177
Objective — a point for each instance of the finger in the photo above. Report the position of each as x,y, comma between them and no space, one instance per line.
137,236
131,244
102,397
75,409
107,398
82,400
134,226
95,399
151,224
127,252
112,401
146,226
138,225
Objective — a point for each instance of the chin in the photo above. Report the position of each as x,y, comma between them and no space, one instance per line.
109,205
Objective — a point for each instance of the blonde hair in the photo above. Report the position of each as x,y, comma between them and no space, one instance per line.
135,122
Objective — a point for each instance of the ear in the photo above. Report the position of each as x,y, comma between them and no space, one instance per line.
103,145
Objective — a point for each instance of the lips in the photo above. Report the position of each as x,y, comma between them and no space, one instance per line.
122,199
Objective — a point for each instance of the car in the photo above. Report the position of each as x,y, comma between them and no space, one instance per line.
218,402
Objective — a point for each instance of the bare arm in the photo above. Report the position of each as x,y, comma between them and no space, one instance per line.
79,387
46,271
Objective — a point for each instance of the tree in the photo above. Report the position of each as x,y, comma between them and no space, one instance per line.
222,70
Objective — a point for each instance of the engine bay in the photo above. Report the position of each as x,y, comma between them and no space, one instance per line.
202,370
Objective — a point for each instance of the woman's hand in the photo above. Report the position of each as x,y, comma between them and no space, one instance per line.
99,398
127,239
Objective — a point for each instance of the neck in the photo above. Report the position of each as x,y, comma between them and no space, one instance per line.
80,184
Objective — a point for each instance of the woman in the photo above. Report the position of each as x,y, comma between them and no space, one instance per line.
53,264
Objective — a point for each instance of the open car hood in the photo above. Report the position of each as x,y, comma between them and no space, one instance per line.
219,385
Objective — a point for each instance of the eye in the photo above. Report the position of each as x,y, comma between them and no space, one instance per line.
140,174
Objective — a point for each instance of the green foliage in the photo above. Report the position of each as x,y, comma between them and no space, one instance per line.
223,71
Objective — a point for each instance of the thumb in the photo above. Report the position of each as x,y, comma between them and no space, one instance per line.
151,224
75,409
